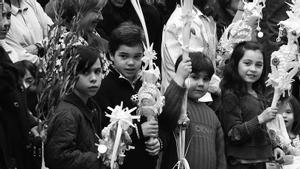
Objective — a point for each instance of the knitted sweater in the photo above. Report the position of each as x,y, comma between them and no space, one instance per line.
204,138
246,139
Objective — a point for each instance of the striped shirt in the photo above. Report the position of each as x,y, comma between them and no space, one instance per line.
205,142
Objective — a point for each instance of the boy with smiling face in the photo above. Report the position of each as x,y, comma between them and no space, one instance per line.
122,85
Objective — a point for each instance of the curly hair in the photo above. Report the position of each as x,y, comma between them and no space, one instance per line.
232,80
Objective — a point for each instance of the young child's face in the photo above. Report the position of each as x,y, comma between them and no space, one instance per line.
287,113
5,22
28,79
199,83
250,66
127,60
89,82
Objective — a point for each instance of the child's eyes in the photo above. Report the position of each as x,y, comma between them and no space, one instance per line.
123,56
86,73
98,71
29,80
259,65
195,77
138,56
206,79
6,15
247,63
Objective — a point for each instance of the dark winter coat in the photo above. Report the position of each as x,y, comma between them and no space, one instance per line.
114,90
273,13
15,121
72,135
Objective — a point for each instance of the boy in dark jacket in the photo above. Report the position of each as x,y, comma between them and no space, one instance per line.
204,134
72,131
121,85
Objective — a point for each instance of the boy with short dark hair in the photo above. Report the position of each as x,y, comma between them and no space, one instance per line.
122,85
204,138
71,135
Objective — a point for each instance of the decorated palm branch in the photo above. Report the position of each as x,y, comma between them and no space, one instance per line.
284,66
58,67
240,30
202,39
180,135
150,100
115,137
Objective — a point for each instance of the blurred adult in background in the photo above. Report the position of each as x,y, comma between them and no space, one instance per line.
4,28
43,2
90,15
203,37
15,120
119,11
29,75
226,10
205,6
29,26
273,13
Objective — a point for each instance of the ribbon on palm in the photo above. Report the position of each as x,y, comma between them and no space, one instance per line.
115,137
187,7
150,100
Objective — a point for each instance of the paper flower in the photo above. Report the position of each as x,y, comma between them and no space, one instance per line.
285,62
292,24
115,137
149,56
284,65
240,30
150,100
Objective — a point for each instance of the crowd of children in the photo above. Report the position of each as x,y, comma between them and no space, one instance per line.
230,134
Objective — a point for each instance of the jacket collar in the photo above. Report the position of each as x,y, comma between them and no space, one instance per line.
86,109
116,73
